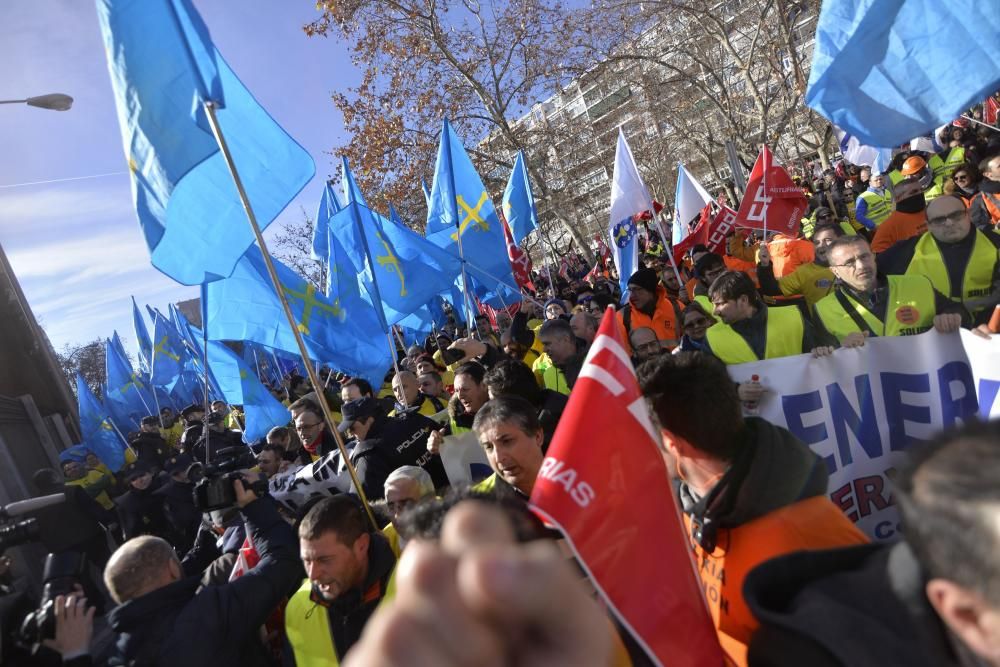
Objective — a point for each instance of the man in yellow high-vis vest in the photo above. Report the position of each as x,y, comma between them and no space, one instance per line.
962,262
347,571
867,304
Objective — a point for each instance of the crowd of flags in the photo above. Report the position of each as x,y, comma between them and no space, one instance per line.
202,151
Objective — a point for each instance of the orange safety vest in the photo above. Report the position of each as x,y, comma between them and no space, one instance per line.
666,320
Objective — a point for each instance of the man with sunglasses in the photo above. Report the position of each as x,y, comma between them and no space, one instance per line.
961,262
866,303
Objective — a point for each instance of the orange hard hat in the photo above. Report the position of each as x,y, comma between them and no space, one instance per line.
913,165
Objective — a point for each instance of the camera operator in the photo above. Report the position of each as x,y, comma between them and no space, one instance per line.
219,437
163,620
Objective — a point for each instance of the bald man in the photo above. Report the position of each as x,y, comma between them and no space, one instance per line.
409,398
163,619
962,262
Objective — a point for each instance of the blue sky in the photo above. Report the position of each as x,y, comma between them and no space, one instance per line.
76,246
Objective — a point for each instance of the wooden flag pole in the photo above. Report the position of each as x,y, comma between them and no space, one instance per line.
320,395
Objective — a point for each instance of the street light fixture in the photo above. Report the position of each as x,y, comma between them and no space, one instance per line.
53,101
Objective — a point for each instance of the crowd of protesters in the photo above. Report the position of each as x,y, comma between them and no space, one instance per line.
307,583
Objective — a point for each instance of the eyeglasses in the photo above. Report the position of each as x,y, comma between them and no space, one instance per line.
856,261
694,324
954,216
307,427
398,506
960,177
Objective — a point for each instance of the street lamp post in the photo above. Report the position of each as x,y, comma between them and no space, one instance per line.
53,101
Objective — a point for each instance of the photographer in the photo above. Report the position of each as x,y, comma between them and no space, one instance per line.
163,620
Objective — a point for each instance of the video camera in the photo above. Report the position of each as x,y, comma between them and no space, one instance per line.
63,574
213,482
14,532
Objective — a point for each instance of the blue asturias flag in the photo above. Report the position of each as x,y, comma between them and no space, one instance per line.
344,333
461,206
352,193
887,71
518,201
399,269
98,434
240,386
168,353
145,348
328,207
163,68
129,398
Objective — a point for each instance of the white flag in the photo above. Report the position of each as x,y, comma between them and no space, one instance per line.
629,196
689,198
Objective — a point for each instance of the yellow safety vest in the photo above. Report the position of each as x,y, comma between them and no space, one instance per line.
942,170
783,338
879,206
553,378
705,302
910,310
977,275
487,485
308,630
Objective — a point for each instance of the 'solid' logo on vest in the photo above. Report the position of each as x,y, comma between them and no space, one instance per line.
907,315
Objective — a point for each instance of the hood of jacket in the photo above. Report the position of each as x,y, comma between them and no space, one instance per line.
772,469
862,605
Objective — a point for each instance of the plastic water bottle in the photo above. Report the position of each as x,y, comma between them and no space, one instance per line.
752,408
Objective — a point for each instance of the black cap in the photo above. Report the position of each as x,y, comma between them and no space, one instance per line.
352,411
135,469
646,279
191,409
151,420
177,463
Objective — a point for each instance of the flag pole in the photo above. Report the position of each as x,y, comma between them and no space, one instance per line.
979,122
673,262
320,396
124,439
204,340
764,188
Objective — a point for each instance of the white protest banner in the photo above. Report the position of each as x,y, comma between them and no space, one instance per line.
464,460
323,477
984,357
861,408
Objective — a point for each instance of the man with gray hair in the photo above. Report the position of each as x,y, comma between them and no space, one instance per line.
404,487
163,619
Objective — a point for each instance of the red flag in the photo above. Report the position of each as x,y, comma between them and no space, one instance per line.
711,232
774,202
604,452
520,262
991,109
603,251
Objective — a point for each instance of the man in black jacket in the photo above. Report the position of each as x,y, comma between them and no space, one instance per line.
162,619
141,511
